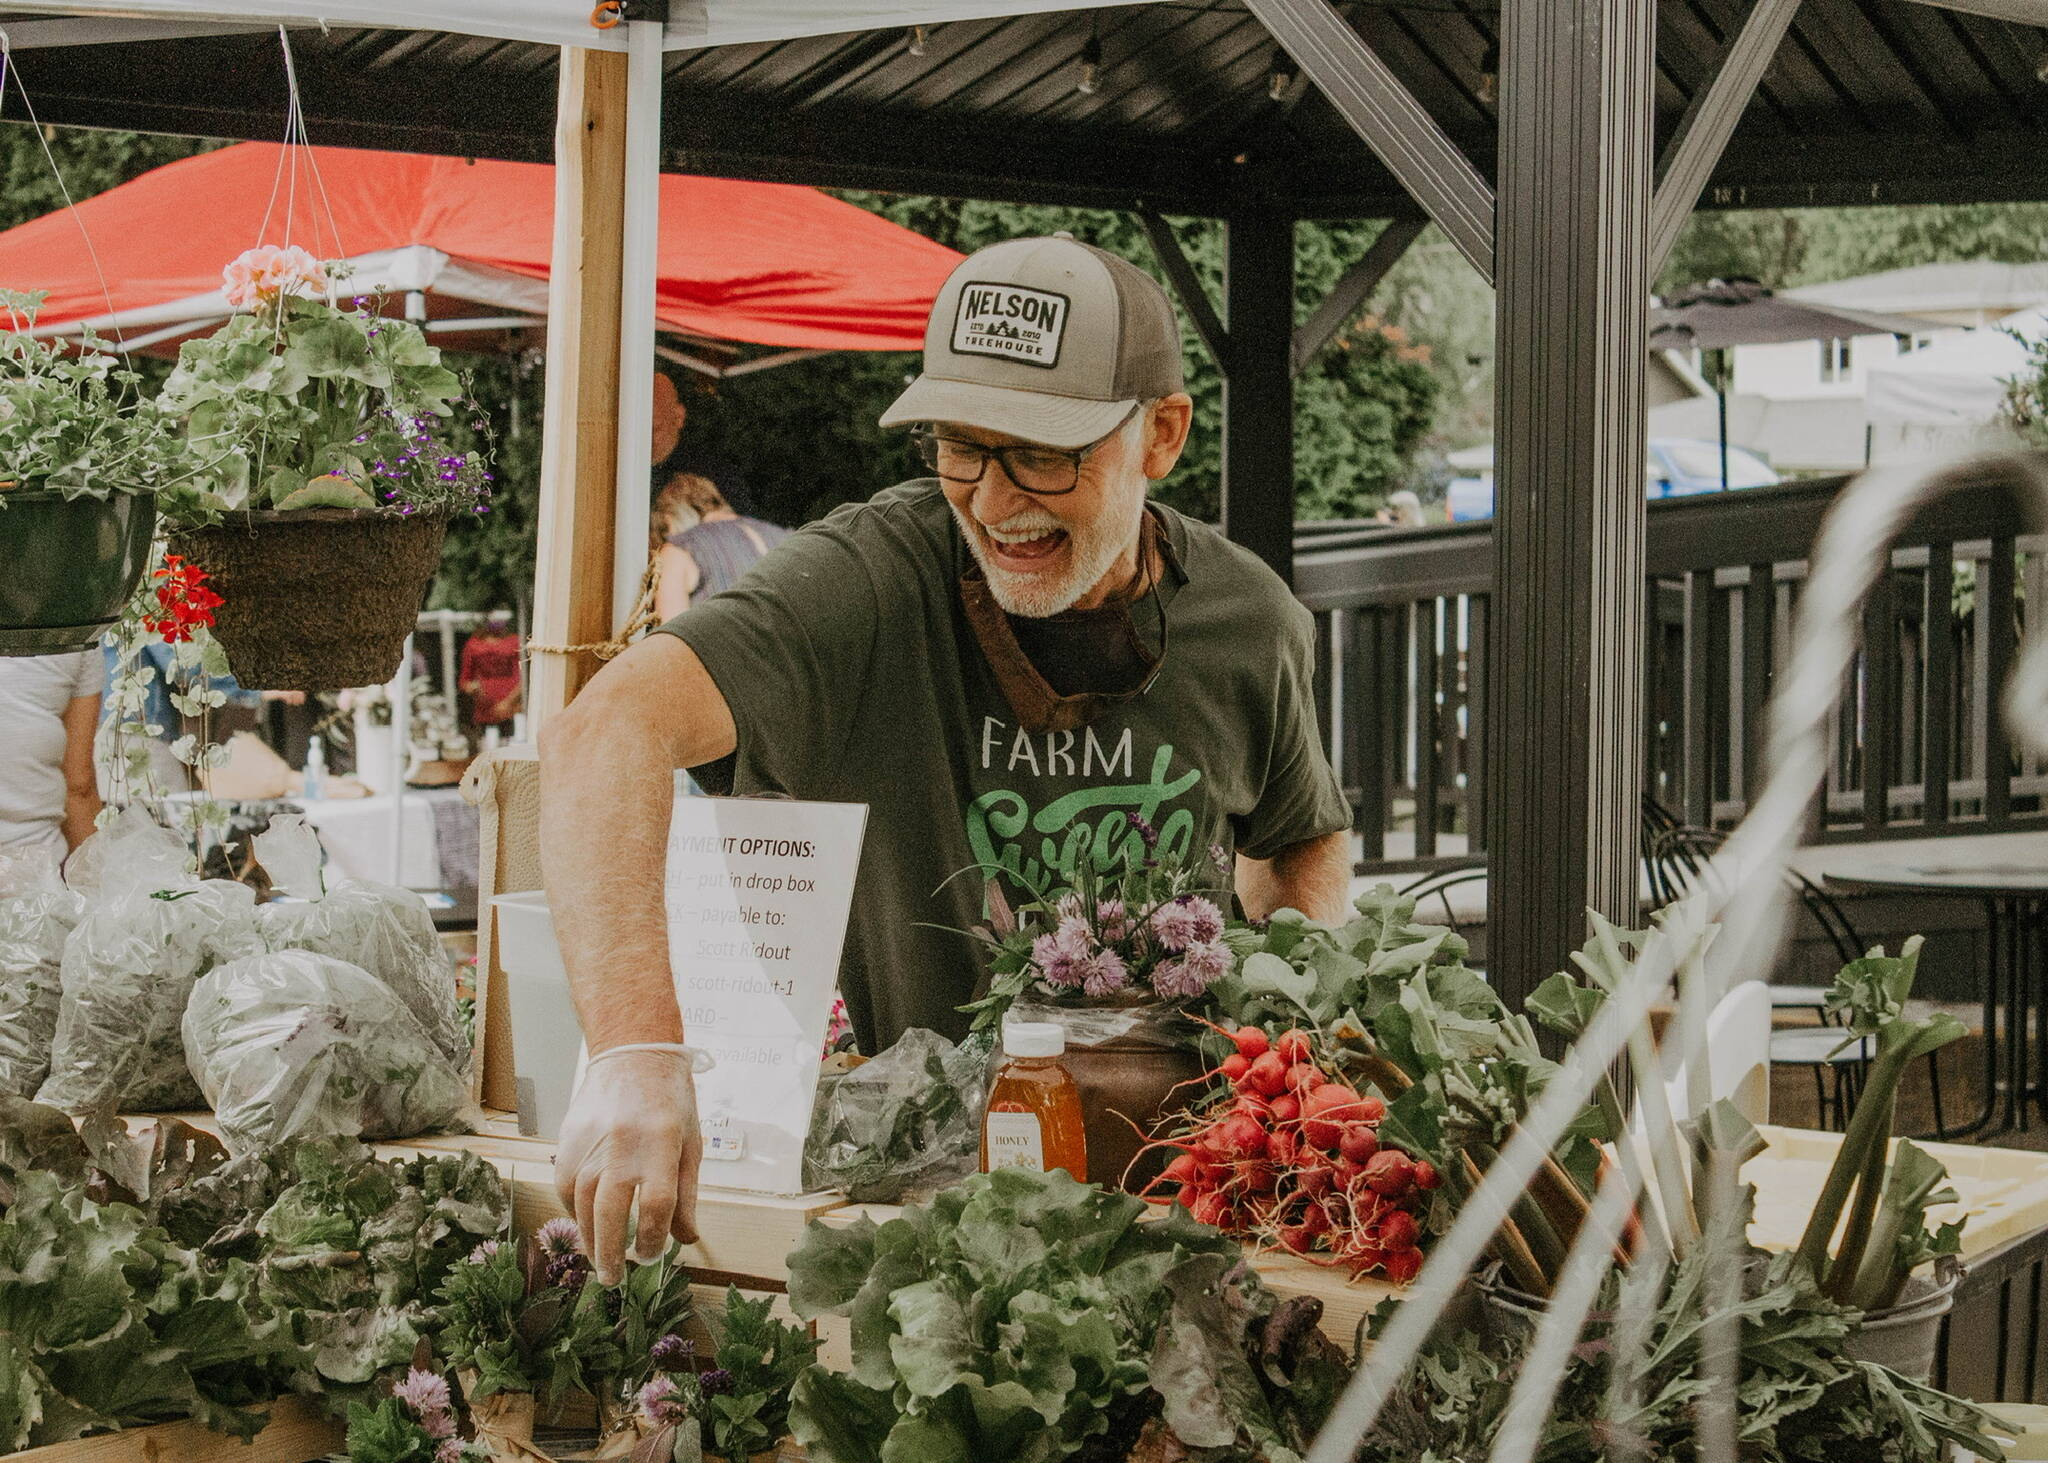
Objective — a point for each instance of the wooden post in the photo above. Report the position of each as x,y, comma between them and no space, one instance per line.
572,600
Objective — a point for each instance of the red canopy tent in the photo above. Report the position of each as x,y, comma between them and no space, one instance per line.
761,263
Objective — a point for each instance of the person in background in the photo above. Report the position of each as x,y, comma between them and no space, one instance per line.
49,711
711,557
489,674
244,710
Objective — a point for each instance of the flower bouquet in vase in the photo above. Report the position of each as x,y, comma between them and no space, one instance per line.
333,462
1112,957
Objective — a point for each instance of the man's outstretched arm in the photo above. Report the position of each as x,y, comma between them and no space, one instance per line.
607,770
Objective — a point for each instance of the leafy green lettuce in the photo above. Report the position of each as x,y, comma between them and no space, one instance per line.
1025,1316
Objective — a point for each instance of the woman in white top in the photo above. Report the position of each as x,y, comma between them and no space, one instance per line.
49,709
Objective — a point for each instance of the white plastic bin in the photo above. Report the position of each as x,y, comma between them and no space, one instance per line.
547,1043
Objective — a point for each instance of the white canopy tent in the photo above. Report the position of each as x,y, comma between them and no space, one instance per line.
1946,396
692,23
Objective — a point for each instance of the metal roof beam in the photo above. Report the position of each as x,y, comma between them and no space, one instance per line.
1352,289
1694,150
2020,12
1193,298
1383,112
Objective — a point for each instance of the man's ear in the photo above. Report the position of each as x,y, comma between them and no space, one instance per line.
1166,433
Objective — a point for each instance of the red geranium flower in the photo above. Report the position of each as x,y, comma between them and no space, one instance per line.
184,602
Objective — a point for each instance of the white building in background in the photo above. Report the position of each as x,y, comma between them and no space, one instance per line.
1801,404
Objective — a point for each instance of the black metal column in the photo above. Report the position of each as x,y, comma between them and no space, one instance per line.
1565,712
1258,388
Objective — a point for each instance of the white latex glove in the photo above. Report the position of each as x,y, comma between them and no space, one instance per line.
631,1132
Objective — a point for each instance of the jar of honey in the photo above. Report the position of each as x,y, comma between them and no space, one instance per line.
1034,1108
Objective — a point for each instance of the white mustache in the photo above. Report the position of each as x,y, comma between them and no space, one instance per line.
1027,524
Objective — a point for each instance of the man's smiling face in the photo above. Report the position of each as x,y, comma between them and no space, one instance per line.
1046,554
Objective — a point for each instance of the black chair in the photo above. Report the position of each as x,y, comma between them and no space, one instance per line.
1675,859
1437,885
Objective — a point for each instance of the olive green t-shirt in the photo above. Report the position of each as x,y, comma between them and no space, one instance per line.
853,676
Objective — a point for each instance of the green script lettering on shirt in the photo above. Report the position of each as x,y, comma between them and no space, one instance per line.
1001,822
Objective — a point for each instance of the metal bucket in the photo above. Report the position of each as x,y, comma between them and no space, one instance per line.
1905,1337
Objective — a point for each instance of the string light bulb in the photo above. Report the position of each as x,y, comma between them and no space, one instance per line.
1277,84
918,40
1091,67
1489,75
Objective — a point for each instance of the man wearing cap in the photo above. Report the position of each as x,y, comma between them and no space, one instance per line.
1015,663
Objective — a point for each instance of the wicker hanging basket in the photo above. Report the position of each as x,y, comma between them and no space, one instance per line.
318,599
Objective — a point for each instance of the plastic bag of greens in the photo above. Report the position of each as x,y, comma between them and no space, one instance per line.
296,1045
36,914
901,1126
150,930
384,930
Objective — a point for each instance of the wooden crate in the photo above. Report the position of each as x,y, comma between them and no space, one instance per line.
297,1432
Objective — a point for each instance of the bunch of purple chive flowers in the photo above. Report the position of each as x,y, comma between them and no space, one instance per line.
1141,929
425,1395
562,1258
676,1394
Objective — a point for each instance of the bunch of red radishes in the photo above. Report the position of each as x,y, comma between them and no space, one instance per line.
1295,1156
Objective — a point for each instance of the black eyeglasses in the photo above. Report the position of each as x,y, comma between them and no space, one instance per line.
1045,472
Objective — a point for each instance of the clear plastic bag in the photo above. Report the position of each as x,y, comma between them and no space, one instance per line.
384,930
36,914
150,930
294,1045
901,1126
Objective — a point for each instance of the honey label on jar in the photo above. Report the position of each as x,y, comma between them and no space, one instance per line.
1014,1141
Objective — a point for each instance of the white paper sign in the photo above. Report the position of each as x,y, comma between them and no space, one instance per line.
759,891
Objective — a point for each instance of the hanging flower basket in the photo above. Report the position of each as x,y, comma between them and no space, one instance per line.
316,599
67,566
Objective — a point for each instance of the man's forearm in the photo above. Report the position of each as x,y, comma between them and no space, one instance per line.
607,795
1313,876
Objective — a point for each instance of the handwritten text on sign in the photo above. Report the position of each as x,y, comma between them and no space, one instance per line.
759,891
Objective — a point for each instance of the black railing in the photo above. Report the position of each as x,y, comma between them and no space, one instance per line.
1917,749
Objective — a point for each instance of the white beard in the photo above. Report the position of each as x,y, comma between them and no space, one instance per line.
1091,553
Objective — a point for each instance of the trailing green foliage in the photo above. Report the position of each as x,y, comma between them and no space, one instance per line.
79,422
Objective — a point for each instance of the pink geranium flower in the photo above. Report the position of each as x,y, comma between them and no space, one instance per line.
258,276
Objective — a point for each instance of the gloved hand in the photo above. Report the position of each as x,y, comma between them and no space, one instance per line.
631,1131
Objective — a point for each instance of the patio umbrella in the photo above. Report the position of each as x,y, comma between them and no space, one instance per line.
1729,312
466,245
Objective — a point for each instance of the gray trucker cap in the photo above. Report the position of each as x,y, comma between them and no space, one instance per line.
1050,340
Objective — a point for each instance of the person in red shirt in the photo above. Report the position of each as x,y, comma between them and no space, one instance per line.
489,675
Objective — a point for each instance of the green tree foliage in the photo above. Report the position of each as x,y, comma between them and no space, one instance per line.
1362,408
88,162
1796,246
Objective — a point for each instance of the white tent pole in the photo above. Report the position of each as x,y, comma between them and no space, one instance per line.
401,758
641,247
